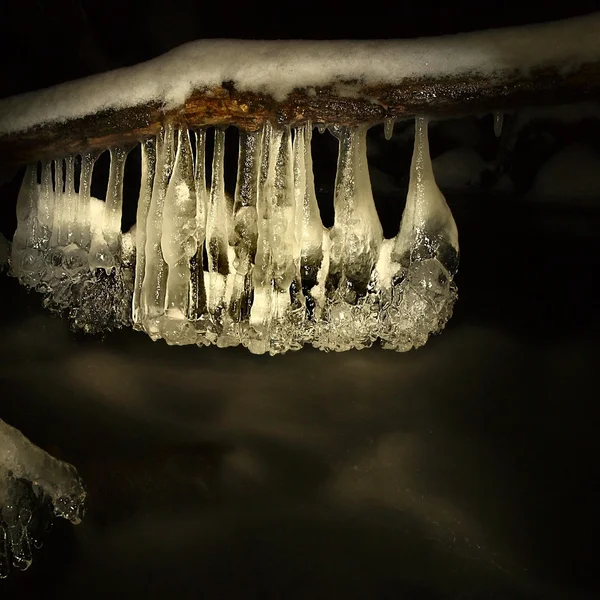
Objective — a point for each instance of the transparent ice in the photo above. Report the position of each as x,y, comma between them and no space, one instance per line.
63,234
35,488
258,269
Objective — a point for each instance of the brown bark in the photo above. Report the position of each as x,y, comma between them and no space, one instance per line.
348,104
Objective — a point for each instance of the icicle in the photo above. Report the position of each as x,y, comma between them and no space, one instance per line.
244,233
218,225
427,220
357,233
111,225
426,252
59,203
356,237
309,227
179,242
276,268
105,248
84,237
498,121
197,306
148,170
67,232
46,205
246,195
388,127
74,260
24,255
154,283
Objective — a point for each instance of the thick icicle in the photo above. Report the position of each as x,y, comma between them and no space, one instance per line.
155,275
273,317
105,249
425,253
244,233
218,226
148,170
310,232
356,238
179,243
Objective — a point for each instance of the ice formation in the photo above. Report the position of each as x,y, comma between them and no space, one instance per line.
34,489
260,269
68,245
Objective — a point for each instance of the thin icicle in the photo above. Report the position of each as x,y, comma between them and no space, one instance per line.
88,160
70,204
59,203
197,305
498,122
113,210
46,205
148,170
24,254
105,248
218,225
388,127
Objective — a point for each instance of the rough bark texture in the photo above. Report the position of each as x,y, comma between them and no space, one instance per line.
346,103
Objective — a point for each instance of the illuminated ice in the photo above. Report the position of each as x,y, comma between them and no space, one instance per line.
349,317
258,269
32,483
60,232
417,289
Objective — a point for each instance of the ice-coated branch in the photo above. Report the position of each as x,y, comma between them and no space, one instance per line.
30,478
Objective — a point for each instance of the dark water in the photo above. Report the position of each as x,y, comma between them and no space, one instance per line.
466,469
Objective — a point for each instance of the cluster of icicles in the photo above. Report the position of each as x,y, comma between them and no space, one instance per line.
259,269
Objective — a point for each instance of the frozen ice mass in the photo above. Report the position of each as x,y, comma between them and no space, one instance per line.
258,269
35,488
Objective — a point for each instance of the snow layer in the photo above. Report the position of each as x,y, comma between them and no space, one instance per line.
277,67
